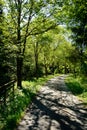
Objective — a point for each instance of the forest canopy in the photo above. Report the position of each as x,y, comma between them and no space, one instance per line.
41,37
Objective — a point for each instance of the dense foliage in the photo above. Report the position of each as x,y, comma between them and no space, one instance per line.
77,22
35,40
7,53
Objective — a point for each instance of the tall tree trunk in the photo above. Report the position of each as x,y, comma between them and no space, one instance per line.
21,50
36,59
19,59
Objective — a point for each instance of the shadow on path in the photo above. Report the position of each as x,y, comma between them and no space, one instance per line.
55,108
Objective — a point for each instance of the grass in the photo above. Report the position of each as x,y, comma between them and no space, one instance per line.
12,114
78,86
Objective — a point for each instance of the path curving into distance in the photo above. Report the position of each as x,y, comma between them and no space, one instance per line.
55,108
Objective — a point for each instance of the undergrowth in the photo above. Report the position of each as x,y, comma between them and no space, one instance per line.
78,86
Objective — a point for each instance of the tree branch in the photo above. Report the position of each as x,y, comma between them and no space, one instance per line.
27,28
42,31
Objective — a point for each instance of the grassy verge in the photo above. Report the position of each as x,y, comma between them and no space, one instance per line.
78,86
14,111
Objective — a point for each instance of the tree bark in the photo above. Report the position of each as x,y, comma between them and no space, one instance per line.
36,59
36,67
19,72
45,66
19,59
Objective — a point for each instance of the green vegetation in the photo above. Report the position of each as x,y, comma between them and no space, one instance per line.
36,39
57,45
78,86
12,114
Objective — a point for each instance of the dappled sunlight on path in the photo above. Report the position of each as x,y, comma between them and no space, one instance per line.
55,108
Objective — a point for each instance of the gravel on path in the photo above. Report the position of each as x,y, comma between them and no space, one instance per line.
55,108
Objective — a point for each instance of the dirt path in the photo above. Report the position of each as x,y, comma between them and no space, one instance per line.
55,108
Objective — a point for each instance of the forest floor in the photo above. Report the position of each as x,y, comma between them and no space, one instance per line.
55,108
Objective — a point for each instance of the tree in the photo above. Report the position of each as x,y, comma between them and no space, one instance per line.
25,16
77,21
7,63
3,56
1,42
48,53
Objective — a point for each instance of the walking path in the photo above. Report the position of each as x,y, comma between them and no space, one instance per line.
55,108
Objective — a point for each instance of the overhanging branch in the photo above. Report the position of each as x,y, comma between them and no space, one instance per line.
42,31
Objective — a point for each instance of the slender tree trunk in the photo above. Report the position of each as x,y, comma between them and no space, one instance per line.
19,59
45,66
19,72
36,66
81,59
21,50
58,67
46,72
36,59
